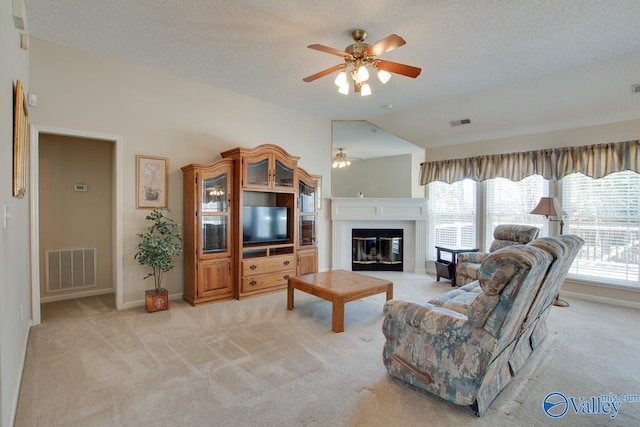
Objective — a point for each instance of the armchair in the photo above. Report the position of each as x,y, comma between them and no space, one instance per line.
563,249
504,235
463,356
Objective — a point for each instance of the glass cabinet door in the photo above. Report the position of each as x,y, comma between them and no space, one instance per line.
283,175
214,234
307,230
307,203
215,194
257,172
307,216
214,213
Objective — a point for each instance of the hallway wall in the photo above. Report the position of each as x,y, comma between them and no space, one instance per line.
15,304
71,219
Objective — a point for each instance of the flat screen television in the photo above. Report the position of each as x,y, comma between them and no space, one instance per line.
265,224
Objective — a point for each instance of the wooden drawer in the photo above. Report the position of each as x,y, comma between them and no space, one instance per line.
269,280
267,265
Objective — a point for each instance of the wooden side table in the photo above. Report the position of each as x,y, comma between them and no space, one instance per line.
447,268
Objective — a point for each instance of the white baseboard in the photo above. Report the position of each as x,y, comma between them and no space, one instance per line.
14,409
141,302
599,299
79,294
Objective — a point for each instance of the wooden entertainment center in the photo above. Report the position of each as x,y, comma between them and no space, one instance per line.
226,255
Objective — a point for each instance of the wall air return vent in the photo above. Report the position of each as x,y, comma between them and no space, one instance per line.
70,269
460,122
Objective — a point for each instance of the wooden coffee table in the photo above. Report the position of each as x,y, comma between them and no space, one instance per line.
339,287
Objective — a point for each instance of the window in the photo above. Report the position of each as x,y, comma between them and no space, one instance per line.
452,215
508,202
605,212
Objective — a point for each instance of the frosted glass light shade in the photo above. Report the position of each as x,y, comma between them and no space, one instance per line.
383,76
362,74
365,90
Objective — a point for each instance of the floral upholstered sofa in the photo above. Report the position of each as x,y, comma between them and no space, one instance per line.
503,235
466,344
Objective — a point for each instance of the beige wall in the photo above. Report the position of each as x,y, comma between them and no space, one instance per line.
417,190
611,132
15,302
161,115
382,177
71,219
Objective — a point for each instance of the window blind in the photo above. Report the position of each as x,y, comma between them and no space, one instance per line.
605,212
508,202
452,215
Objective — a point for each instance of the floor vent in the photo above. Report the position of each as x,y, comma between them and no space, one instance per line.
70,269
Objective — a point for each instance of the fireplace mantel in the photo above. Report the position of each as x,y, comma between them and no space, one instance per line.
408,214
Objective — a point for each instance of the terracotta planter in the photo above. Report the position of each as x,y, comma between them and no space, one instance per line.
156,300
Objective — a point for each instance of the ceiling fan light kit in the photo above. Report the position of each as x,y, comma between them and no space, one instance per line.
360,56
383,76
340,160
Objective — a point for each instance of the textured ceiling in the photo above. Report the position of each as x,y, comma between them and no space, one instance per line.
511,66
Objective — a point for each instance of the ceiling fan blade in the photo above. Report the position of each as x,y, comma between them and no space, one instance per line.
328,49
323,73
385,45
394,67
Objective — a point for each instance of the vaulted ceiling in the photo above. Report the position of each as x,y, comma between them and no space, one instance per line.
512,67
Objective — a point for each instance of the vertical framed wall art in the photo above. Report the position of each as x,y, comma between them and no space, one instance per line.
20,142
151,182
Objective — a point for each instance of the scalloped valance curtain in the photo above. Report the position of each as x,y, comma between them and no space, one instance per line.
595,161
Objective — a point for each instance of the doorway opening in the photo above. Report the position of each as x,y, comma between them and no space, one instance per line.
70,199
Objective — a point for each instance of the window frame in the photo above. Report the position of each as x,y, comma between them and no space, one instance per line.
552,228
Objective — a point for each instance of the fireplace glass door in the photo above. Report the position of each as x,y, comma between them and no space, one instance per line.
376,249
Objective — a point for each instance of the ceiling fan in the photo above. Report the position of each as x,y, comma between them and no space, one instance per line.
358,57
340,160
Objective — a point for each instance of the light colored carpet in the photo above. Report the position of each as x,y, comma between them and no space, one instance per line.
253,363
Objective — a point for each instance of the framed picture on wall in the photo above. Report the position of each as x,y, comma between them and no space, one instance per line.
20,142
151,182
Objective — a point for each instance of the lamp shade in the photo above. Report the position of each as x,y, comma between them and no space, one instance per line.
344,89
365,90
341,79
362,75
548,206
383,76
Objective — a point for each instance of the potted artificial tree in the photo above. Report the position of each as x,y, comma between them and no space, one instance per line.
159,243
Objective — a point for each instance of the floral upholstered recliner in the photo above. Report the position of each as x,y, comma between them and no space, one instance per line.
503,235
464,357
466,344
563,249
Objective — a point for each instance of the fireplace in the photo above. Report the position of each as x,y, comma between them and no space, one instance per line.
408,215
376,249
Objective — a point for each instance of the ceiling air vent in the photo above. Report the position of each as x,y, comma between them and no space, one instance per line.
460,122
635,88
